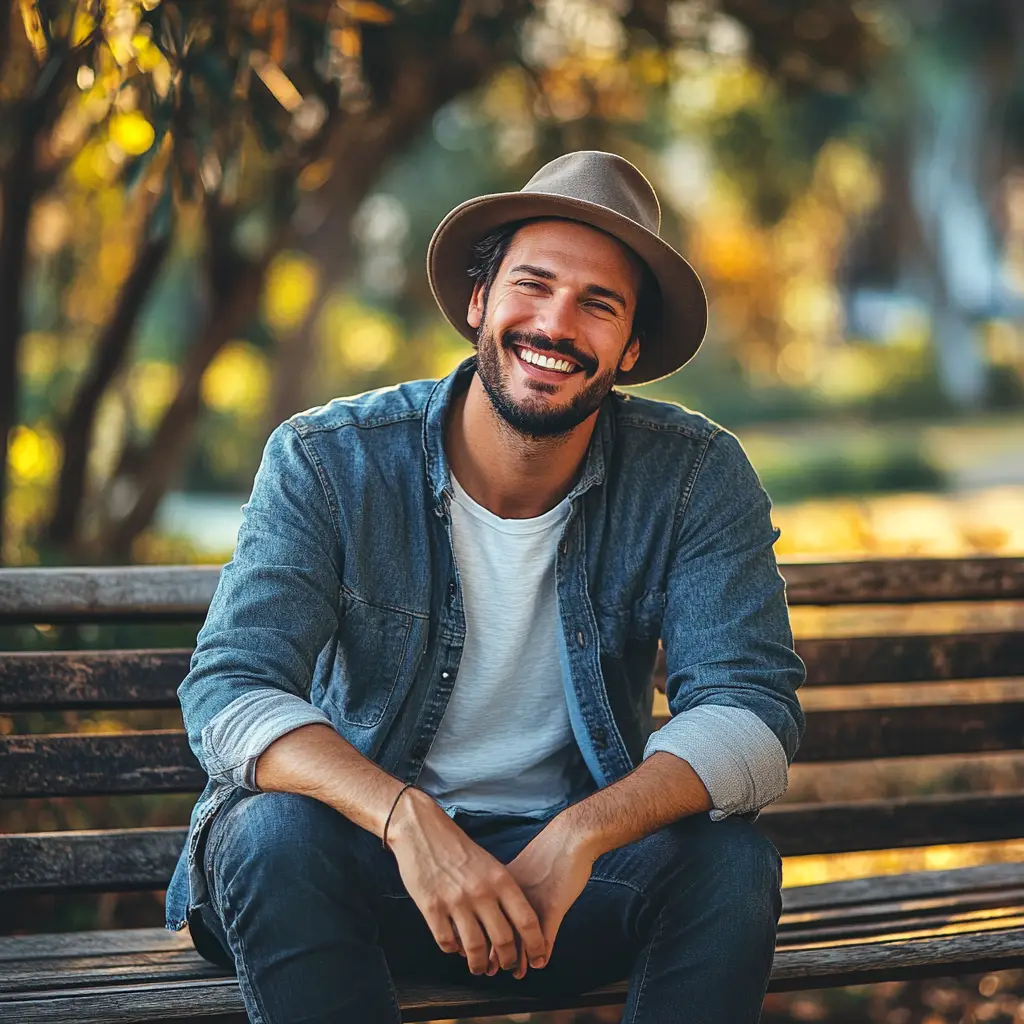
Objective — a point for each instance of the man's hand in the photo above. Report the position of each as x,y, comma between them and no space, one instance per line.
470,901
552,871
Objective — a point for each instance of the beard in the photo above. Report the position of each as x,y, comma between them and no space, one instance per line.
537,419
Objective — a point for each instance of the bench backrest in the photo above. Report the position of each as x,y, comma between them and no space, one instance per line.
57,764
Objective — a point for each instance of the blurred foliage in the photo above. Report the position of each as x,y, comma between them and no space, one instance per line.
229,203
194,223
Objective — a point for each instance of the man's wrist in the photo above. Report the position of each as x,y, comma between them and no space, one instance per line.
412,810
576,833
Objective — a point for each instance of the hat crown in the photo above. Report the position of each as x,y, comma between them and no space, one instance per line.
603,179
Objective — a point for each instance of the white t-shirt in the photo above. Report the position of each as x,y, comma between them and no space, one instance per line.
505,743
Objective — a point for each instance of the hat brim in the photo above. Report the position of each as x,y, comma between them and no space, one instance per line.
684,305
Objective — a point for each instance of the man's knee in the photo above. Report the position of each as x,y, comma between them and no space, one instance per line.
727,867
279,842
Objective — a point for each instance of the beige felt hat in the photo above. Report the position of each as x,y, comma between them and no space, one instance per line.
606,192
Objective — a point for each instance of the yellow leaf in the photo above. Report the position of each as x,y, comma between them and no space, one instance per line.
291,287
82,26
369,12
237,381
279,84
34,28
131,132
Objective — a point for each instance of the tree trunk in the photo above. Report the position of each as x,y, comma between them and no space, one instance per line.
143,476
79,425
18,194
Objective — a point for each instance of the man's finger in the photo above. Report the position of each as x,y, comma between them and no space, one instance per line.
444,934
520,971
526,923
500,933
472,940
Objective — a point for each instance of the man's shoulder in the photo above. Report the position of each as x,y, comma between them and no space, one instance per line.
653,417
382,407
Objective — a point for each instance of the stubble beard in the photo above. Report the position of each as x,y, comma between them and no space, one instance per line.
536,421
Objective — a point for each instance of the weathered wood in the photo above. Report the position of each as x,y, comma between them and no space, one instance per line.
918,885
904,581
856,734
160,761
798,829
140,859
146,762
846,661
155,956
95,594
111,941
69,680
793,969
96,860
133,592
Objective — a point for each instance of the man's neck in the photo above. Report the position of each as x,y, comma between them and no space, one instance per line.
511,475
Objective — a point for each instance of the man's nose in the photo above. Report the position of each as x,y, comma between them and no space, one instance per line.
557,318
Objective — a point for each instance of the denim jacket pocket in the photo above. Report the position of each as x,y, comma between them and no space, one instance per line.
617,624
371,657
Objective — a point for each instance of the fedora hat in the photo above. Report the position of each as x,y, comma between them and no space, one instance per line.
602,190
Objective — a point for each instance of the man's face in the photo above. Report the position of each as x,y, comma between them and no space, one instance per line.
565,292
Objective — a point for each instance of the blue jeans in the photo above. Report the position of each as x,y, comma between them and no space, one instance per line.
311,912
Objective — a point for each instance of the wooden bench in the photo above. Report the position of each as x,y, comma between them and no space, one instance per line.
894,927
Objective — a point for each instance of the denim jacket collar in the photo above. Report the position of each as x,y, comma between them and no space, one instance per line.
433,436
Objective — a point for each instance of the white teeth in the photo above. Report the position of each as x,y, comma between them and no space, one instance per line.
547,362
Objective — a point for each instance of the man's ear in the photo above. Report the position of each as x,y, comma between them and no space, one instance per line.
630,356
477,301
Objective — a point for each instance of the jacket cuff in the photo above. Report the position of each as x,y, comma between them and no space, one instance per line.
738,758
235,737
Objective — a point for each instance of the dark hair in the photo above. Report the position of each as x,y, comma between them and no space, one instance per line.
487,254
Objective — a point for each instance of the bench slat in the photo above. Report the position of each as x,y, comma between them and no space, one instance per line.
184,592
904,581
859,733
97,594
793,969
143,858
852,661
798,829
66,680
159,761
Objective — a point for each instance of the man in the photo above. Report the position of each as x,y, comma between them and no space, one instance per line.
422,693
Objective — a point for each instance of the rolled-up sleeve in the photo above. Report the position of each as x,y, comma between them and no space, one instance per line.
274,609
732,671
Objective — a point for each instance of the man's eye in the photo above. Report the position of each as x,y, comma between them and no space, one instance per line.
530,284
603,307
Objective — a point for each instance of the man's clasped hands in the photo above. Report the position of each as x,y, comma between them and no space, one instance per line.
496,916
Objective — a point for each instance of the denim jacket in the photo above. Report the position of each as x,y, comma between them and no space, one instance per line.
342,603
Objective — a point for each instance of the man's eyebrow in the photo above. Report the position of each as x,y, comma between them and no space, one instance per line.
549,275
606,293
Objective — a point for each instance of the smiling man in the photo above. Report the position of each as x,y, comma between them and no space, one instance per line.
423,690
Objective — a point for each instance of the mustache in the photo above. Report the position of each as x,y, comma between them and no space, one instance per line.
542,343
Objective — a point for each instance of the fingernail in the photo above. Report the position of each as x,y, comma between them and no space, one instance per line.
538,962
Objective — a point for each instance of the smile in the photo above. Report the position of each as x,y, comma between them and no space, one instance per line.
546,362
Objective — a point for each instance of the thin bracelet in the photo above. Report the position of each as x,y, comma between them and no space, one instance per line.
384,837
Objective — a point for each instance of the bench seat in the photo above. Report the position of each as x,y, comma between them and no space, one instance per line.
142,620
930,923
